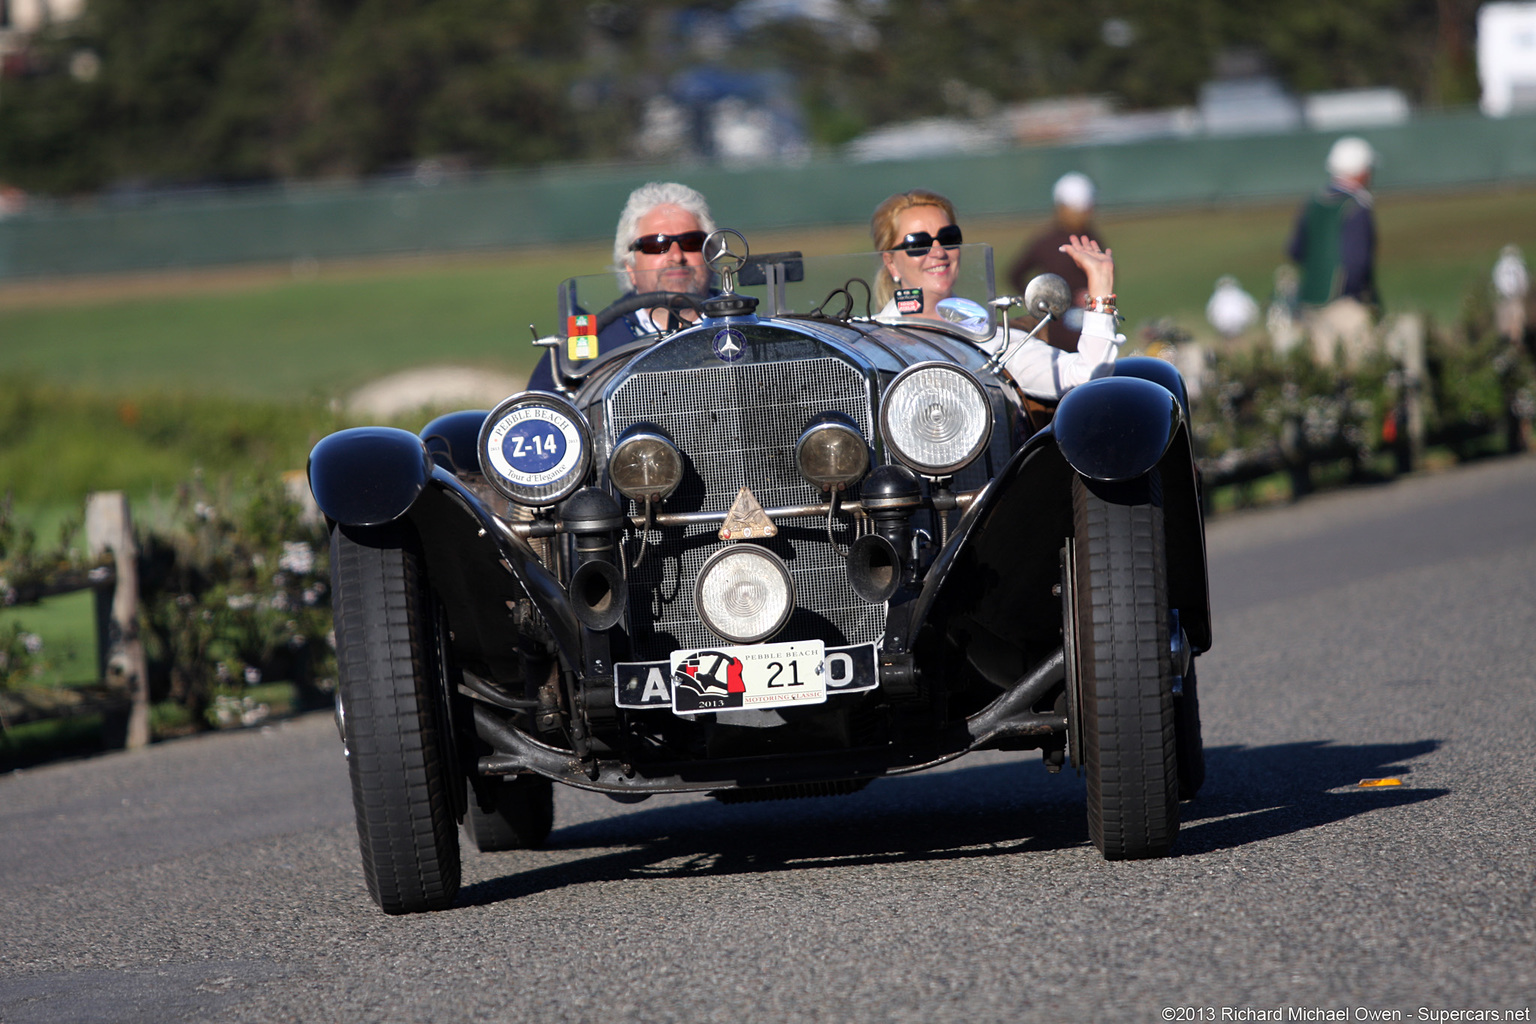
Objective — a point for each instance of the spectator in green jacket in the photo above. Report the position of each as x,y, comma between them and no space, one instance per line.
1334,245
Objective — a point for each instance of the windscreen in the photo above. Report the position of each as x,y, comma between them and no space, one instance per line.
840,286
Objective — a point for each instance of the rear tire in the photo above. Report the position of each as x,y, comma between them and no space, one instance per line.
1125,672
509,814
390,701
1187,740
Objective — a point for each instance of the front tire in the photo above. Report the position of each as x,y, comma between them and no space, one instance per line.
391,705
1125,671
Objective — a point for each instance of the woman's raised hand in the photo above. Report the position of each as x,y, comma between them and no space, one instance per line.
1098,264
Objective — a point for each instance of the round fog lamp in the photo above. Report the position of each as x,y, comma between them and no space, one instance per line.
645,464
831,453
744,593
936,418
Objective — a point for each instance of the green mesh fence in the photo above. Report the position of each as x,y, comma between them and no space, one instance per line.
563,205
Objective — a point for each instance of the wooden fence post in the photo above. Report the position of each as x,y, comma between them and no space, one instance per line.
108,527
1405,343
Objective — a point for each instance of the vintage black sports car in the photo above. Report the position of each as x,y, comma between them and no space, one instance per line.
781,551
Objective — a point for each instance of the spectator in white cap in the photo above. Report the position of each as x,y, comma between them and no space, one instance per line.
1334,245
1073,196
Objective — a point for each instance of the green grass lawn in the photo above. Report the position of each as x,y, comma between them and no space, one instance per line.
275,337
67,626
293,339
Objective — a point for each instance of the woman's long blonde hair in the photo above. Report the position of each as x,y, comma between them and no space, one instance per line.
882,229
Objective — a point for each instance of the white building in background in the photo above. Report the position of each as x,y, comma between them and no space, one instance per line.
1343,109
31,15
19,18
1506,58
1254,104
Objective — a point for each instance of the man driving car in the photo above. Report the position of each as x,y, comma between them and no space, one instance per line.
659,244
658,247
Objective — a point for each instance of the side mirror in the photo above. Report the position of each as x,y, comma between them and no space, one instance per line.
1047,293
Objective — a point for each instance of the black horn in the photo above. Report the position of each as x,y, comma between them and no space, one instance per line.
874,568
598,594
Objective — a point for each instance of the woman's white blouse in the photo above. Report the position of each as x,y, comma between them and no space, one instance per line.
1044,371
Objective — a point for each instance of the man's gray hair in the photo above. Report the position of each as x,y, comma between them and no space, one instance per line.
645,199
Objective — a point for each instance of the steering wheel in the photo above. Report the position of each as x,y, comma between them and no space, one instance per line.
647,300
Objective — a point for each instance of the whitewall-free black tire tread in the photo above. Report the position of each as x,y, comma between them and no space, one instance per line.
1125,672
401,778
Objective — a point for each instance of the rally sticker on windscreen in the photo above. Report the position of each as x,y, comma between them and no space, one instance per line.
708,675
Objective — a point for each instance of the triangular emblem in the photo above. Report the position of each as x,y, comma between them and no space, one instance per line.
746,520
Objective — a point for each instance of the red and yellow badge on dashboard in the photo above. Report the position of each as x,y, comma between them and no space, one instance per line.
581,337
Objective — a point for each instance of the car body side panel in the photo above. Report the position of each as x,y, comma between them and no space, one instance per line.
1158,371
986,605
479,570
1184,522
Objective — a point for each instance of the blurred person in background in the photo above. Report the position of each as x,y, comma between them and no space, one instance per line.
1230,309
1334,246
12,200
1074,197
1511,285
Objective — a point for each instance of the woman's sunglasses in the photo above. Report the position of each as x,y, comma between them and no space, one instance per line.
655,245
919,242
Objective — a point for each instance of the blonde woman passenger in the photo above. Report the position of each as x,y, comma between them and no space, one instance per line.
918,236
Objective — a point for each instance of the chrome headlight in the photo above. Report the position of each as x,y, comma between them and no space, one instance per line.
744,593
645,464
831,453
936,418
535,448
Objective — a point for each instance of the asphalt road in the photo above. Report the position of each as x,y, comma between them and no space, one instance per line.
1386,632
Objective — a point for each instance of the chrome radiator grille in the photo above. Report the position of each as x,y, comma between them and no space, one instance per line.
737,424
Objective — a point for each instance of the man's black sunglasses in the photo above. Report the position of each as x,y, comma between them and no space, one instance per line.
919,242
655,245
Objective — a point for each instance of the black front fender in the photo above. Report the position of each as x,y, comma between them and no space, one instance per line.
987,610
453,440
1116,428
368,476
1158,371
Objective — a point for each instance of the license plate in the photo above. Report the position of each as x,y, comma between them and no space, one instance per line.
647,685
759,676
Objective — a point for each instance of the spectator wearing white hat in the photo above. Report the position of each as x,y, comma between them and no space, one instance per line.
1073,196
1334,245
